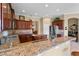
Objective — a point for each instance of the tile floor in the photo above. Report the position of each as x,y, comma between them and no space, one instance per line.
74,46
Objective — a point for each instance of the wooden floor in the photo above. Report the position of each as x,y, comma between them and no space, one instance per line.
75,53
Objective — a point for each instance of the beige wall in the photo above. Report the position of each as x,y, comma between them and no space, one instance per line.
46,24
46,20
38,23
41,26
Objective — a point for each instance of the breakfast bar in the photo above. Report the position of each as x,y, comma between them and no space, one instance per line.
38,48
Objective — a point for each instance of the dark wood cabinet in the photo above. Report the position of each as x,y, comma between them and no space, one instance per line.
21,24
5,16
40,37
8,19
59,23
25,38
7,24
75,53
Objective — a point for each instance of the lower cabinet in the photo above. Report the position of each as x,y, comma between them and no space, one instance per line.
6,24
25,38
40,37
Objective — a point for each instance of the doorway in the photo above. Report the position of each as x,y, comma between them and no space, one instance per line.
35,27
73,27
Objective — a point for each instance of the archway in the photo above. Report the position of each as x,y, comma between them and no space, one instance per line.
73,28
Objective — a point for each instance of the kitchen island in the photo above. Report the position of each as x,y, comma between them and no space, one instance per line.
40,48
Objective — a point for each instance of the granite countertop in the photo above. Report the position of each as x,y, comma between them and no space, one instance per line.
33,48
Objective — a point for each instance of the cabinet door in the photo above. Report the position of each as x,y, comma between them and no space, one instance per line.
30,25
6,16
25,38
22,38
7,24
19,25
27,25
16,24
23,24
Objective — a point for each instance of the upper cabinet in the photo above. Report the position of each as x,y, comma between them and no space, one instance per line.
8,21
21,24
6,10
59,23
58,27
6,16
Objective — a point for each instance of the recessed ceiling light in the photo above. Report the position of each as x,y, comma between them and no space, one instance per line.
36,14
4,7
46,5
23,10
57,9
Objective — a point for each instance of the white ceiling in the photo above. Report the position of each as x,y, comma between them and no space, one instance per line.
39,9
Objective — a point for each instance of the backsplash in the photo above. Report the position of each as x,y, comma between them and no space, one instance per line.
9,31
23,31
18,32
